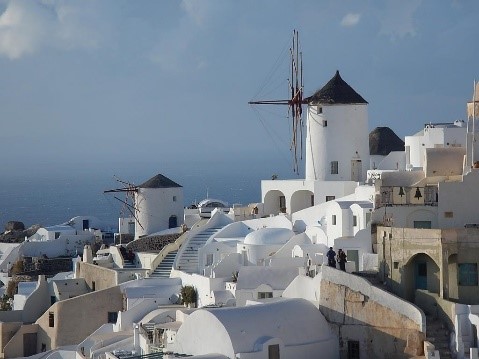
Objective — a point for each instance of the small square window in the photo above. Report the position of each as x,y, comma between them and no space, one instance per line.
467,274
174,198
325,123
334,167
333,220
319,110
353,349
330,198
396,265
448,214
112,317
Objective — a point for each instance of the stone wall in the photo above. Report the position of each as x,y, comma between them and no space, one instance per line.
378,330
152,243
47,265
33,266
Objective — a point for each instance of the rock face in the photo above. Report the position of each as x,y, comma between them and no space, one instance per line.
14,226
15,232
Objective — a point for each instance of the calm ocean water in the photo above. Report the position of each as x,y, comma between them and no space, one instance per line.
50,199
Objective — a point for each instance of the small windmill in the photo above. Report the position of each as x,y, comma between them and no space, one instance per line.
129,202
295,102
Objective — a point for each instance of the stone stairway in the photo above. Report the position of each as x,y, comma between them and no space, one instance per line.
438,335
188,262
163,270
149,328
128,265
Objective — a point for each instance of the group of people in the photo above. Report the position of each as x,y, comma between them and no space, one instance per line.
340,258
127,255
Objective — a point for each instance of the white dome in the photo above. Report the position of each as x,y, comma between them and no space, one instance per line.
268,236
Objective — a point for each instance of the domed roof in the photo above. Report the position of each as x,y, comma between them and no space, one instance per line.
383,140
336,91
269,236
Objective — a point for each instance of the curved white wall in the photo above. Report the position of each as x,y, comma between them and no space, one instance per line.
345,133
154,208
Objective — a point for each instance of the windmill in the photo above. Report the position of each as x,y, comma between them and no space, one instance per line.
129,203
295,102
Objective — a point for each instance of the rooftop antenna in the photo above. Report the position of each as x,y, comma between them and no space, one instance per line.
295,102
130,189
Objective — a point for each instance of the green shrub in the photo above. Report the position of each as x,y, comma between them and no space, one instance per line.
188,295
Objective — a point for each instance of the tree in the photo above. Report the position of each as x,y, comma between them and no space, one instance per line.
188,294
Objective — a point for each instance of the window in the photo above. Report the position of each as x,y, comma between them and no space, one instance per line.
53,299
112,317
209,259
355,221
312,200
353,349
333,220
422,224
319,110
330,198
51,319
282,204
264,295
93,286
396,265
334,167
448,214
325,123
174,198
57,235
467,273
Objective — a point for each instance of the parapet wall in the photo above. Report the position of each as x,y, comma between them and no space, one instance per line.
152,243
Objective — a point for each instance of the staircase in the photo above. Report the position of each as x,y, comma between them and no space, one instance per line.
128,265
188,262
163,270
438,335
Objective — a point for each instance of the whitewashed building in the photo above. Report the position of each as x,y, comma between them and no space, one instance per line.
158,205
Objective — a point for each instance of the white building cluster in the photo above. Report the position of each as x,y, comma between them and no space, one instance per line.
255,281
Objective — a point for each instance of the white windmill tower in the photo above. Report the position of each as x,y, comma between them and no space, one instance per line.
157,204
337,135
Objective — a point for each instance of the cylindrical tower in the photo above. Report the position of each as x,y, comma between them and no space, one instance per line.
159,205
337,137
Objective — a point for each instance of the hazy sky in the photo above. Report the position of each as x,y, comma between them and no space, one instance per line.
92,83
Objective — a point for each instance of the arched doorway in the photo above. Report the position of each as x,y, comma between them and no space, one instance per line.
172,222
301,199
274,202
421,272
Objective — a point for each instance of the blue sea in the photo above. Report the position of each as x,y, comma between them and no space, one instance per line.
53,197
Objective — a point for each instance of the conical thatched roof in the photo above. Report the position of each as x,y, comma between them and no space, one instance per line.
383,140
159,181
336,91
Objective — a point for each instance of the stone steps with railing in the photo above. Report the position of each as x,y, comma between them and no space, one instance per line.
188,262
